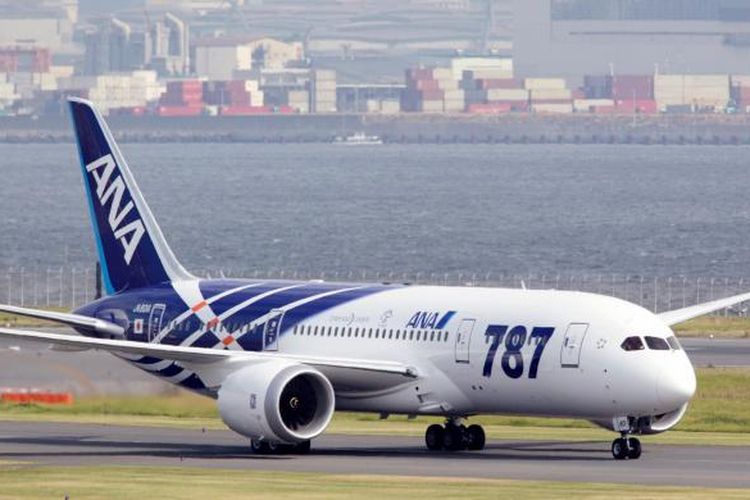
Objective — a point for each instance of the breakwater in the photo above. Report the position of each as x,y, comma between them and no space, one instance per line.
404,128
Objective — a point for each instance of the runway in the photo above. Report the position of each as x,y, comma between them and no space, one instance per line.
83,445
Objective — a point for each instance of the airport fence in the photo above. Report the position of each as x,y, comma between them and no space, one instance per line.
69,287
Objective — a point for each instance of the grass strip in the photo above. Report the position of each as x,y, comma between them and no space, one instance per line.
178,483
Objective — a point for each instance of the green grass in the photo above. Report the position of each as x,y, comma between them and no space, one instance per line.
731,327
13,321
21,481
719,414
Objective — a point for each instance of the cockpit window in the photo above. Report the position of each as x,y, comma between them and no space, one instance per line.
674,343
657,344
632,344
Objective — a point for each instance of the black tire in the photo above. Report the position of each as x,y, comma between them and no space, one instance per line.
475,437
433,437
634,446
302,448
260,447
454,438
620,449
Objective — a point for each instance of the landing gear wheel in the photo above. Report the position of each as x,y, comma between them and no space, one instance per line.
620,449
260,447
454,438
433,437
475,437
634,448
302,448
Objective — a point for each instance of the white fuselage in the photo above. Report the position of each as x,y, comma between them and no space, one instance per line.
582,371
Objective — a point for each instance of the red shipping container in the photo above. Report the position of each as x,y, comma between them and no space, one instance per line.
432,95
498,83
181,85
603,110
633,86
645,106
423,84
179,110
419,74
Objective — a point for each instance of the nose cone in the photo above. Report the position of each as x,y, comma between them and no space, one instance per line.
676,383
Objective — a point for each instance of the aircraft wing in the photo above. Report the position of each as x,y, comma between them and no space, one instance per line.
681,315
95,326
201,356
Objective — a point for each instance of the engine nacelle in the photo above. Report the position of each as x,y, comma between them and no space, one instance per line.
654,424
277,401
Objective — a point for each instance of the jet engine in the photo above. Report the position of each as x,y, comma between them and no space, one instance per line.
277,401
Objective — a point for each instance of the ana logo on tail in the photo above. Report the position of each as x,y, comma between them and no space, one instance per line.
113,189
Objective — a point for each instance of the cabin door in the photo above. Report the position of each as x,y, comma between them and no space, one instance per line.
570,355
463,340
272,330
154,321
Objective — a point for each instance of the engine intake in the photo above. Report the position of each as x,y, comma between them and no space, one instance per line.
277,401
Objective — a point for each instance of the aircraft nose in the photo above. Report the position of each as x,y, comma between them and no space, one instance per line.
676,383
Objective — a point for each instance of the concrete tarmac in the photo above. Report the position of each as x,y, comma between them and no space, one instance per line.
89,445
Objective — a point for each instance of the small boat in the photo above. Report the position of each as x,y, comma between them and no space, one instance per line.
359,139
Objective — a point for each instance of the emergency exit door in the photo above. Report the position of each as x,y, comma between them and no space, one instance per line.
570,355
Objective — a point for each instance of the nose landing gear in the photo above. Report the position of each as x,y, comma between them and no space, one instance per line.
626,448
454,436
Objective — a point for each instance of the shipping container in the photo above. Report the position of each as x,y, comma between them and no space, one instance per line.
597,86
633,87
550,94
498,83
544,83
585,105
487,74
453,105
499,94
431,106
641,106
423,84
419,74
552,108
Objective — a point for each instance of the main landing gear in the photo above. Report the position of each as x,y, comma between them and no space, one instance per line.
626,447
454,436
267,448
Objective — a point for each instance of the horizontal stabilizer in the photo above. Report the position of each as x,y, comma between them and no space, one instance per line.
681,315
97,327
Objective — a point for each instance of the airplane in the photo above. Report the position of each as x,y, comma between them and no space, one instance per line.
279,357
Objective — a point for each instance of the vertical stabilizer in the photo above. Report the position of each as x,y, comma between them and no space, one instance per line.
131,247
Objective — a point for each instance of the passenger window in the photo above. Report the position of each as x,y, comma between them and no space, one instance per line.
657,344
632,344
674,343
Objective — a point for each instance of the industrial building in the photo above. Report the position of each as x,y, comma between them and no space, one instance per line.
113,45
575,37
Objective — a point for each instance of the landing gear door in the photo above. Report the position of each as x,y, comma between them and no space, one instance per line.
463,340
154,321
570,355
272,330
